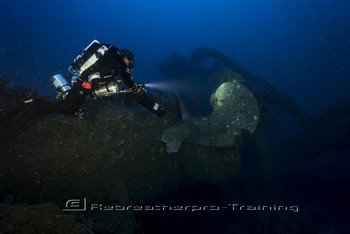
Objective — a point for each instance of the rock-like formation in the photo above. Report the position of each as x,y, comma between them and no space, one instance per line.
49,218
45,218
115,155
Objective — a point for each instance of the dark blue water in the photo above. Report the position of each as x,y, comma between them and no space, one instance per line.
301,46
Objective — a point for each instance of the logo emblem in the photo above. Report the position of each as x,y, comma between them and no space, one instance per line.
75,205
156,106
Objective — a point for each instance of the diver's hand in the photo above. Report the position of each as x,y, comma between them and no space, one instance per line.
136,88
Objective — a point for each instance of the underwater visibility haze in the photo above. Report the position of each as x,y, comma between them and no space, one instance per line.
256,135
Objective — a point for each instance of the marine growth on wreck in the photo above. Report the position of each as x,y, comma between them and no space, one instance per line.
119,148
125,152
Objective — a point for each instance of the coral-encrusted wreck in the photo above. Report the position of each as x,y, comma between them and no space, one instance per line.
119,152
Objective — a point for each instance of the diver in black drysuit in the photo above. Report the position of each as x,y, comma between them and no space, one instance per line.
114,62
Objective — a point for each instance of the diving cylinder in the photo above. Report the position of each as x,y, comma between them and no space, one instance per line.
61,85
107,90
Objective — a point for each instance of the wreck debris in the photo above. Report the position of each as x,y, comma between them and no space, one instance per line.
265,92
227,76
323,133
209,164
207,147
235,114
42,218
46,218
174,136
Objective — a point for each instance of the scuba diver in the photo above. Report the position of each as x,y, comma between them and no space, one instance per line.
94,74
